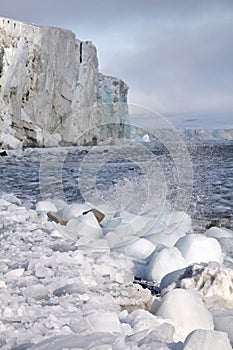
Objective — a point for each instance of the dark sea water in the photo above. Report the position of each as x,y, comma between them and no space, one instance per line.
150,170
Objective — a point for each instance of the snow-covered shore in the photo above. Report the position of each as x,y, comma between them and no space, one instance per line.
73,286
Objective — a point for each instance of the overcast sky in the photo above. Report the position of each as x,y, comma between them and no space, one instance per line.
175,55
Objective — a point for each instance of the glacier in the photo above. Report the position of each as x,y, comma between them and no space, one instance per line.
51,90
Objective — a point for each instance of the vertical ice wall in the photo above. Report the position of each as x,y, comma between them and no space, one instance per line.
51,91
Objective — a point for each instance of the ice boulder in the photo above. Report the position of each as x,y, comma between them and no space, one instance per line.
217,232
138,248
163,262
186,310
197,248
206,339
84,226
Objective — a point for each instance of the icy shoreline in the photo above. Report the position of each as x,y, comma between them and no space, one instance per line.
69,287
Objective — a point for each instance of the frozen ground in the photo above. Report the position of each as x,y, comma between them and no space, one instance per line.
72,287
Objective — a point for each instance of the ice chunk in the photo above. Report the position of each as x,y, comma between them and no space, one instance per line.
11,198
138,248
10,142
163,262
112,238
98,245
59,203
187,312
197,248
217,232
179,221
73,288
148,336
205,339
227,246
37,292
105,322
141,320
169,228
72,211
138,223
110,225
157,212
129,225
4,203
146,138
223,321
71,341
85,226
45,206
14,274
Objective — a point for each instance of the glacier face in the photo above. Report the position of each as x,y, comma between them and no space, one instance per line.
51,91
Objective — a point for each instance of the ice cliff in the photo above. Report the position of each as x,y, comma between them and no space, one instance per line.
51,91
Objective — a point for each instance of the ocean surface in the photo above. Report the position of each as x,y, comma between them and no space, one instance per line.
128,176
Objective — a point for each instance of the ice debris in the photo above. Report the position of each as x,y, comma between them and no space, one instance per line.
73,286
